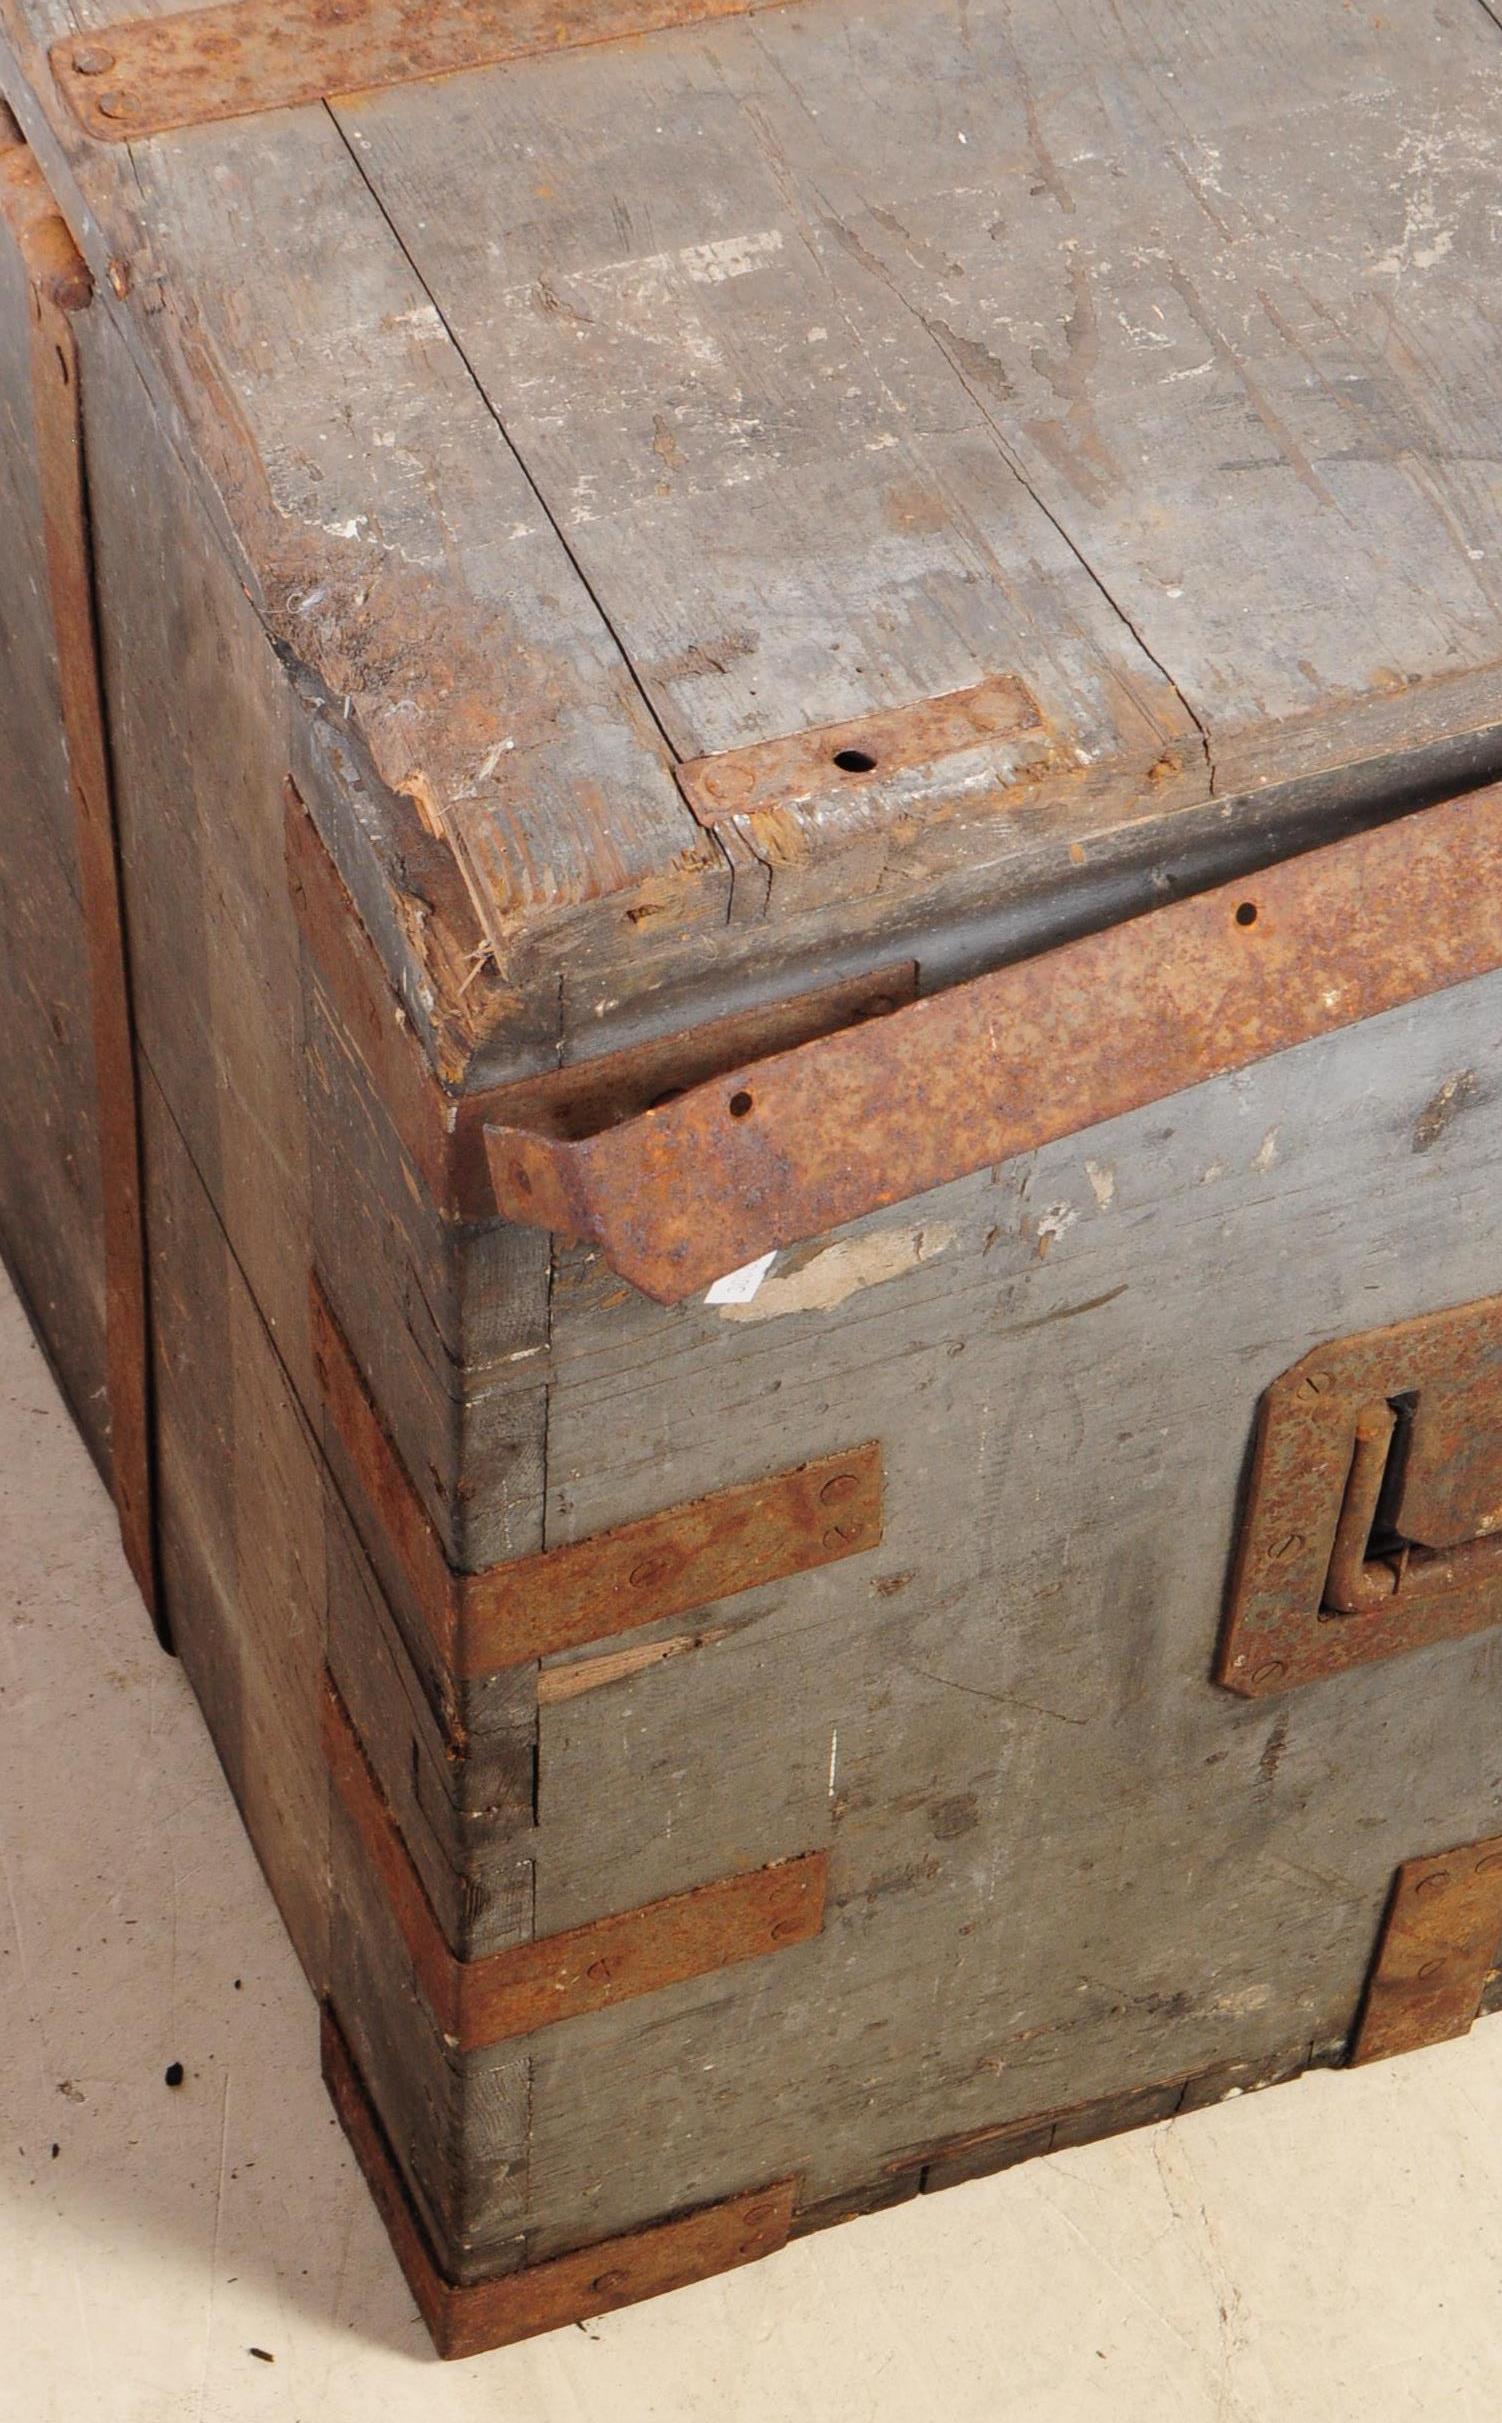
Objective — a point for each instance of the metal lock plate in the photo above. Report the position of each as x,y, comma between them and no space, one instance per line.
1374,1516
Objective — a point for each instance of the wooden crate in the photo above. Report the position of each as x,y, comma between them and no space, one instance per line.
752,952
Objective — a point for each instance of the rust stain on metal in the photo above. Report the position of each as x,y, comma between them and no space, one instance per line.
59,286
1373,1522
149,74
466,2321
442,1131
404,1531
838,762
787,1147
615,1581
534,1985
1439,1940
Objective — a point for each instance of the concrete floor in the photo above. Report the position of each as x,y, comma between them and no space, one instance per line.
1321,2253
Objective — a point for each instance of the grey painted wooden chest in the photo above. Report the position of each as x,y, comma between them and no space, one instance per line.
752,949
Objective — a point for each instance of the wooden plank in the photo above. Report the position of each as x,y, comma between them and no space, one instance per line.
59,288
697,393
1240,426
241,1534
51,1214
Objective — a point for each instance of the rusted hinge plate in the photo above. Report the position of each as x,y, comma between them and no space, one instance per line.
1439,1940
142,77
1444,1498
684,1557
465,2321
795,1144
533,1985
59,287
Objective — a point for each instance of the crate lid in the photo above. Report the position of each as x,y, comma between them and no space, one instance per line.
757,484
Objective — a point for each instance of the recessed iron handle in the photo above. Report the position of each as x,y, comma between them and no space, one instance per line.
789,1146
1358,1584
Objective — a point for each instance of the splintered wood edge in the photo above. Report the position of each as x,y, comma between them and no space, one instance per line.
466,2320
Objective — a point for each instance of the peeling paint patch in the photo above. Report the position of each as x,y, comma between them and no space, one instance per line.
840,1271
1266,1154
1102,1179
1454,1096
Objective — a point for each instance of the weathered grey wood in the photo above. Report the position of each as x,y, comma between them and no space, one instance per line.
393,543
241,1526
1063,1862
447,1321
51,1217
874,329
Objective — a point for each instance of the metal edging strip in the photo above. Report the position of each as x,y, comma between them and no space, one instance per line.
787,1147
149,74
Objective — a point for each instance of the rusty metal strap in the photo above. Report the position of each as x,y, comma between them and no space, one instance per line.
614,1959
789,1146
58,286
153,73
609,1583
465,2320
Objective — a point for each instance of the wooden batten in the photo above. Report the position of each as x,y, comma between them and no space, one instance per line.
615,1582
533,1985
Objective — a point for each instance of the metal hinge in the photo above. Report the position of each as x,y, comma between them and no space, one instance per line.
1374,1518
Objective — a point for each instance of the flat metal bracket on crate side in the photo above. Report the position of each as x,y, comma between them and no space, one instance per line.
787,1147
612,1582
58,288
511,1993
1373,1521
149,74
1438,1946
467,2320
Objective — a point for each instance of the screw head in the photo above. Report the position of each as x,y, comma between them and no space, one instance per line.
840,1490
1432,1968
1493,1859
782,1928
115,105
842,1535
1315,1385
92,59
1434,1883
1286,1548
610,2284
760,2216
1269,1673
651,1569
599,1972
